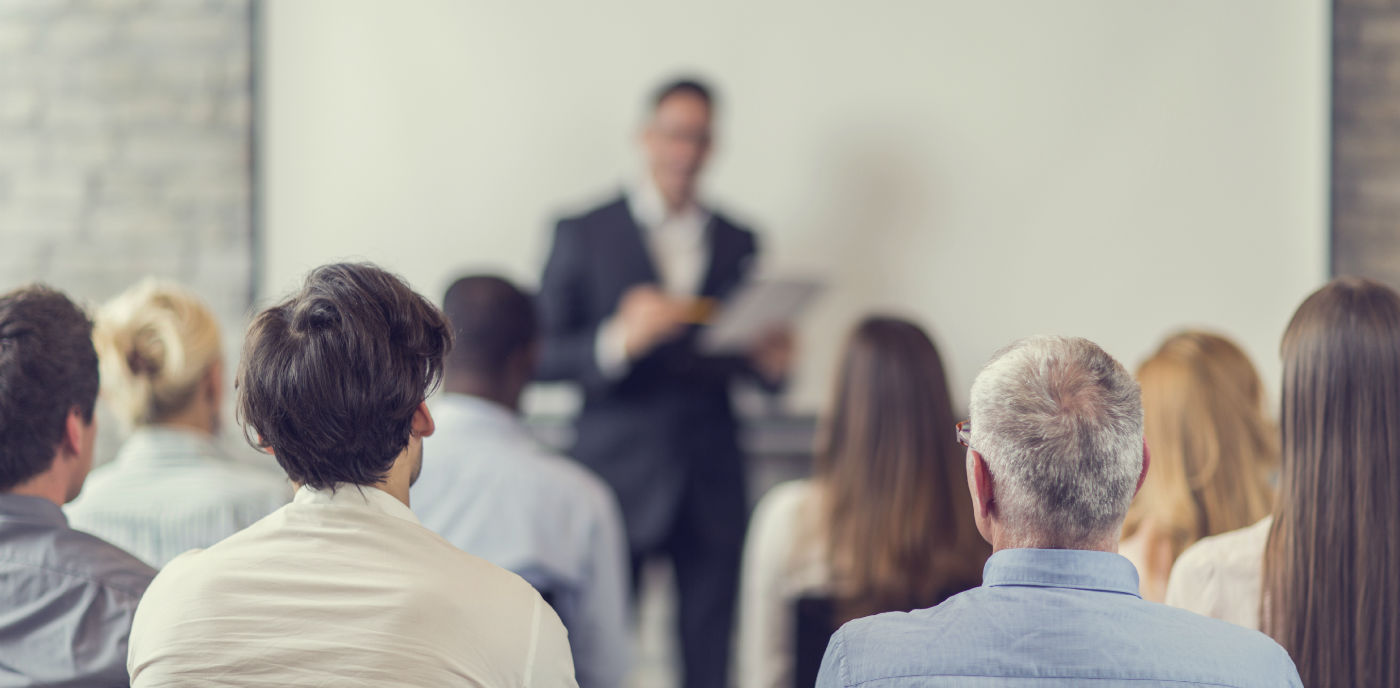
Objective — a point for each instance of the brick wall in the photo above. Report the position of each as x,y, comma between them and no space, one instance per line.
1366,139
125,150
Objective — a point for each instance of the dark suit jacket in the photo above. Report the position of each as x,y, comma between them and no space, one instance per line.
665,429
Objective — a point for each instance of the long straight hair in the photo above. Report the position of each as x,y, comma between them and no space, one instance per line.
1331,583
895,507
1213,448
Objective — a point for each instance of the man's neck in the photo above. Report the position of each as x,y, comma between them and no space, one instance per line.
1003,539
47,485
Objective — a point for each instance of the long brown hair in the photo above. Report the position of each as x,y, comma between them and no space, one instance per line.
895,507
1331,584
1213,449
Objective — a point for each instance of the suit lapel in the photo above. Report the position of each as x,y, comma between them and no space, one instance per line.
633,259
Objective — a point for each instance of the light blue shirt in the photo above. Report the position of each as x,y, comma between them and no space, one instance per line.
1046,617
493,491
170,491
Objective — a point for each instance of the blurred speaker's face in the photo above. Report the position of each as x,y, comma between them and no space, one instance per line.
677,144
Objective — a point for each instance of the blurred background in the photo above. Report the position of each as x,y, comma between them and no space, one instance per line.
1116,170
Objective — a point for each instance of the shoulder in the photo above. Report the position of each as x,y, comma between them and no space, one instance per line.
608,211
1220,571
82,555
783,503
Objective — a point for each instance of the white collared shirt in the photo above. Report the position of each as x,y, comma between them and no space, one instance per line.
490,488
677,243
171,490
343,588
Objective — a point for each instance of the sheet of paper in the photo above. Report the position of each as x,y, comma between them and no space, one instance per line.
758,308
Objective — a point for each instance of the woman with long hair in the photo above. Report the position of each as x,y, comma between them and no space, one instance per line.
1213,453
170,487
1321,574
884,524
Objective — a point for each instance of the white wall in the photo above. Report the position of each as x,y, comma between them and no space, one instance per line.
1109,168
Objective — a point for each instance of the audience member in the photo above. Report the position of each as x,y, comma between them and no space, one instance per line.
343,586
885,523
1320,575
171,488
1055,455
489,488
1213,453
68,596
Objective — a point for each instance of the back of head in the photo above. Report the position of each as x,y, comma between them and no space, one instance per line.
331,377
492,321
1212,446
156,343
47,369
1330,569
1059,423
896,512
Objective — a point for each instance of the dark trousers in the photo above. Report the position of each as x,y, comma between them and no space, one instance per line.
704,546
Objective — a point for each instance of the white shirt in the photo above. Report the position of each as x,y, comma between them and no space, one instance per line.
490,489
171,490
784,559
343,588
1222,576
680,253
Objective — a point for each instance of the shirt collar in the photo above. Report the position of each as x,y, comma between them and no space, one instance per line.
32,509
1061,568
353,496
649,209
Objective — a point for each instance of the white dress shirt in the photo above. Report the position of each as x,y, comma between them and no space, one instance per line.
491,489
678,245
1222,576
343,588
784,559
171,490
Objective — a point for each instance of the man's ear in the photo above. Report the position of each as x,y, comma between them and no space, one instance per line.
979,479
70,446
1146,461
423,425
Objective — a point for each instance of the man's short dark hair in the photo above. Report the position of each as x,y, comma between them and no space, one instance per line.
689,86
331,377
48,368
491,320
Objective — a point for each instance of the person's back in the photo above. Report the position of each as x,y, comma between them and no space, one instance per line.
1055,455
68,596
344,586
491,489
171,488
1053,618
339,592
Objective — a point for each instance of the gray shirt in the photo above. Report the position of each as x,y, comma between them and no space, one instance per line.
66,599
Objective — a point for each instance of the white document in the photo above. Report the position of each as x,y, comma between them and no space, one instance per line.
756,309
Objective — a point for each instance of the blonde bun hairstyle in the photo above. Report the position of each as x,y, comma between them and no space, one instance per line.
155,344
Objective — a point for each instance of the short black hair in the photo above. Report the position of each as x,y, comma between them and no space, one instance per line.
687,85
331,377
491,320
48,368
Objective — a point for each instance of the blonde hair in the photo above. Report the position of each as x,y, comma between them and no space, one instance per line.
1213,449
155,344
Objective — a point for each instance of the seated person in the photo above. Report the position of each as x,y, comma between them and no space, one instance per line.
885,523
343,586
1055,455
489,488
68,596
1319,574
1213,453
171,488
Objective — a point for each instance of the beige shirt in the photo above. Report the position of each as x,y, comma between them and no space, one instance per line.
784,559
1221,576
343,589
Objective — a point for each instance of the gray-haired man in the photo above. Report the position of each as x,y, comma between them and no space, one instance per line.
1055,454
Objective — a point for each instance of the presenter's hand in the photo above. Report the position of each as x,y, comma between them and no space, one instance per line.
648,317
772,357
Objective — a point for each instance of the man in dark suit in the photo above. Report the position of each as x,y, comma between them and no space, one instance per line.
622,293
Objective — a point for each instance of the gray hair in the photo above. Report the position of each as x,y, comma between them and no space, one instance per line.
1059,423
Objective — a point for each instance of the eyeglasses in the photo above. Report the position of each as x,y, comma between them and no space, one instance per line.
964,430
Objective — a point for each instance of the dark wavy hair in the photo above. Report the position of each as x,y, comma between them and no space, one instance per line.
48,368
331,377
